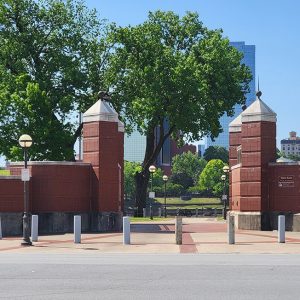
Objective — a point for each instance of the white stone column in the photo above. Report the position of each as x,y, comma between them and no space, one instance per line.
126,231
34,228
178,230
281,229
0,230
230,229
77,229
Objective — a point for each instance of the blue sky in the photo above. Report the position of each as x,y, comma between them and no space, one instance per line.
272,25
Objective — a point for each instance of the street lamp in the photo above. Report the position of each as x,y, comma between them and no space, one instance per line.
152,170
25,142
224,197
165,179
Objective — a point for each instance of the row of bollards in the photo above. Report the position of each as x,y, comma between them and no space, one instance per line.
178,229
231,229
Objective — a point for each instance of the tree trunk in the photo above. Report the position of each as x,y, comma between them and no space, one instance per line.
152,151
141,182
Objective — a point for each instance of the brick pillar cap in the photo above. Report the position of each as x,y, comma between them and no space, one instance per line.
236,124
102,111
258,111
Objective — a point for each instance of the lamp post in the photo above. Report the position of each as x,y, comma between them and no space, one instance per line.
25,142
224,197
165,179
152,170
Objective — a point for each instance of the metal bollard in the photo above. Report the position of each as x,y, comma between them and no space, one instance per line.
34,228
215,212
281,229
230,229
197,212
159,212
178,230
144,213
126,231
0,230
77,229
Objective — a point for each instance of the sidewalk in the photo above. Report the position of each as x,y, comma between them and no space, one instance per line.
200,235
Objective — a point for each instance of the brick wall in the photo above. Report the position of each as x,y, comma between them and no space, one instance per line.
54,187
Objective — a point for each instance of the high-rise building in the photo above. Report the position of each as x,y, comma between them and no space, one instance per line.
249,60
291,145
134,147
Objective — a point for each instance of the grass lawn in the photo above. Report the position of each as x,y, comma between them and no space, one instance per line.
147,219
193,201
4,172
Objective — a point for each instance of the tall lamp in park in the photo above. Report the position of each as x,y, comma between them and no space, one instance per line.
152,170
25,142
165,179
225,196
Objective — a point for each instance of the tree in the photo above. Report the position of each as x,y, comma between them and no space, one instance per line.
293,157
210,178
216,152
171,76
130,168
188,163
183,179
52,59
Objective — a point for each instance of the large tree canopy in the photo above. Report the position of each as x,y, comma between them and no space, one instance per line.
216,152
188,163
52,58
174,69
210,178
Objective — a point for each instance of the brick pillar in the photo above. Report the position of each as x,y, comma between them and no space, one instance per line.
258,149
235,142
103,142
249,179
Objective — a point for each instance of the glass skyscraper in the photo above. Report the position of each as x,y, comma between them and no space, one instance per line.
134,147
248,60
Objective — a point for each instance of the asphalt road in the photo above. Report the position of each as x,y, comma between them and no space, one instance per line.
148,276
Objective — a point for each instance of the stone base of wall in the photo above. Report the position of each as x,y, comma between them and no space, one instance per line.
58,222
265,220
292,221
247,220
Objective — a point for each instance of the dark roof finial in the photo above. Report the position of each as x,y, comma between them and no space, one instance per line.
103,95
259,93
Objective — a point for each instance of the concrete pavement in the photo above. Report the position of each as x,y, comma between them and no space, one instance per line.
200,235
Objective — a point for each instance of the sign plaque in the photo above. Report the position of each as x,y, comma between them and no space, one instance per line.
224,197
152,195
25,175
286,181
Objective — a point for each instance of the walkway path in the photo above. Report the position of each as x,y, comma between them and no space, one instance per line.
200,235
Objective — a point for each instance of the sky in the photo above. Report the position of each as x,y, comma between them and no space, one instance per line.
273,26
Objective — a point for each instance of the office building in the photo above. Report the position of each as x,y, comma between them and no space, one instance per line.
291,145
134,147
249,60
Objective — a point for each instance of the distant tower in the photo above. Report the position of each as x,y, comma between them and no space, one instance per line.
103,142
249,60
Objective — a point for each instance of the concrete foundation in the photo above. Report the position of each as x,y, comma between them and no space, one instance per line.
265,221
247,220
59,222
